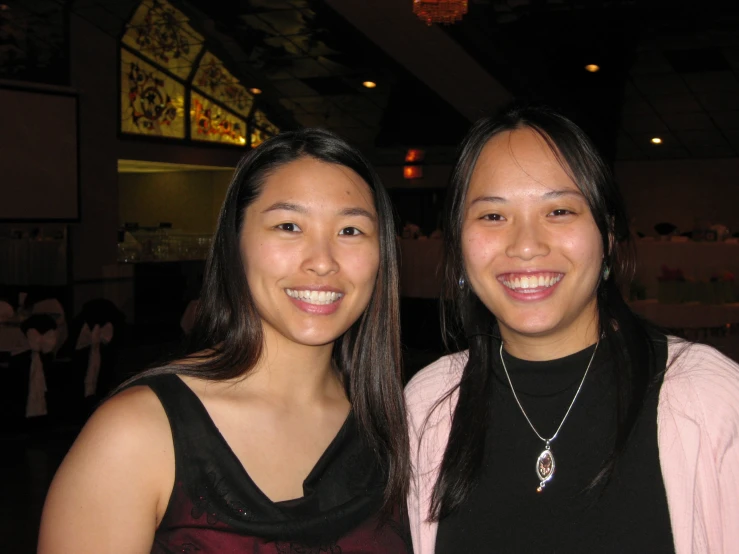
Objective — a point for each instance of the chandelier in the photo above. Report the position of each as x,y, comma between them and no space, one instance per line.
440,11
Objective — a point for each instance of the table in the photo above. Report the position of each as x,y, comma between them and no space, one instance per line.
698,260
691,315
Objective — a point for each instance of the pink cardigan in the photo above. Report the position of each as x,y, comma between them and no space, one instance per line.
698,436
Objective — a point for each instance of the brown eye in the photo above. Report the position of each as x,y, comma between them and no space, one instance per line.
289,227
493,217
562,212
350,232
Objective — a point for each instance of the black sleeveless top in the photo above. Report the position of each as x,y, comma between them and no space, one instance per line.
506,514
215,507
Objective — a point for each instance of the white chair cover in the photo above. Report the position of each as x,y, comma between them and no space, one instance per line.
6,311
40,344
93,338
53,308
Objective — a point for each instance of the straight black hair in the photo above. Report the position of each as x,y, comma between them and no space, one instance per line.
627,335
226,341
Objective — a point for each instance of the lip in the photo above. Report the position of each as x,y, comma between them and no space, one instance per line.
316,309
327,288
538,293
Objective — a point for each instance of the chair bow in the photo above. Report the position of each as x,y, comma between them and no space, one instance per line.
6,311
93,338
39,344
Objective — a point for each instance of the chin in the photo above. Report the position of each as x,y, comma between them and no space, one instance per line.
533,325
315,339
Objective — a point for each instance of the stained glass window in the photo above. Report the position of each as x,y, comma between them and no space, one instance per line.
210,122
161,33
216,81
163,63
263,129
152,103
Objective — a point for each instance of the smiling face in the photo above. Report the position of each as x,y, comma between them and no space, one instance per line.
310,249
532,251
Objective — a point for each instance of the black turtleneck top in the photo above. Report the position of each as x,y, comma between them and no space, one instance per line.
505,513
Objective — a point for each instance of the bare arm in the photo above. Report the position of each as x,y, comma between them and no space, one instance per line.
114,484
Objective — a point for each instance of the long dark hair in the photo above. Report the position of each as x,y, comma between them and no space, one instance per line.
627,336
226,341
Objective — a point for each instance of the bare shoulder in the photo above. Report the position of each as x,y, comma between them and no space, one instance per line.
131,421
114,483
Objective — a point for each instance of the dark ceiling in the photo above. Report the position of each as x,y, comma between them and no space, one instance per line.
669,68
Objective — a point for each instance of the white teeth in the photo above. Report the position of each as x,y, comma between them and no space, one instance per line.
314,296
531,283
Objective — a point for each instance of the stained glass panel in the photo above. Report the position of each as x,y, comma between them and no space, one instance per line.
161,33
152,103
215,80
210,122
260,120
263,129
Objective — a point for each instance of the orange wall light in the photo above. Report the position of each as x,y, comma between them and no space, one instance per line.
414,155
412,171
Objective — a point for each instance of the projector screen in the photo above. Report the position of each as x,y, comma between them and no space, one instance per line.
38,156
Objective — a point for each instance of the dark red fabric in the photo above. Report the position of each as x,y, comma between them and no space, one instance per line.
181,531
215,507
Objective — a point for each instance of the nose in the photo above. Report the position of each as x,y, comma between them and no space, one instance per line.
527,241
320,258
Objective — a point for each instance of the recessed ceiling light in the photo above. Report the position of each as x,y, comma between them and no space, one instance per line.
255,90
369,84
656,140
592,68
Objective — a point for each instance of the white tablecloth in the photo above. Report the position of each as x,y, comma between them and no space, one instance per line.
698,260
687,316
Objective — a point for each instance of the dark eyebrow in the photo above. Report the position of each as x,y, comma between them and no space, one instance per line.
546,196
561,193
358,212
285,206
496,199
292,207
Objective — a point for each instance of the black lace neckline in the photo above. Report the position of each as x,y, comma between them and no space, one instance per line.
344,488
309,483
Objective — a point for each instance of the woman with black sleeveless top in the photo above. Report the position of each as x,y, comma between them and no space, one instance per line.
284,430
570,425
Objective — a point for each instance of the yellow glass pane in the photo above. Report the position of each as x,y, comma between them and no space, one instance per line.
261,121
161,33
258,137
210,122
152,103
216,81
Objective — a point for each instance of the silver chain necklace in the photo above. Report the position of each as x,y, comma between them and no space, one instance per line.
545,462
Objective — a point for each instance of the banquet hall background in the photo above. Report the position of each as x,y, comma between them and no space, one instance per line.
123,120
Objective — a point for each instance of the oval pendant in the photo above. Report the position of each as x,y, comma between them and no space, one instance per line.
545,466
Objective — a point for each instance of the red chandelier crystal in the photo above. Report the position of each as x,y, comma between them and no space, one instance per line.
440,11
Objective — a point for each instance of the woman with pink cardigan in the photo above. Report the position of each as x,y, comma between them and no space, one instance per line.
569,424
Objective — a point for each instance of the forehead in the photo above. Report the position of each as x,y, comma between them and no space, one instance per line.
519,161
313,181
